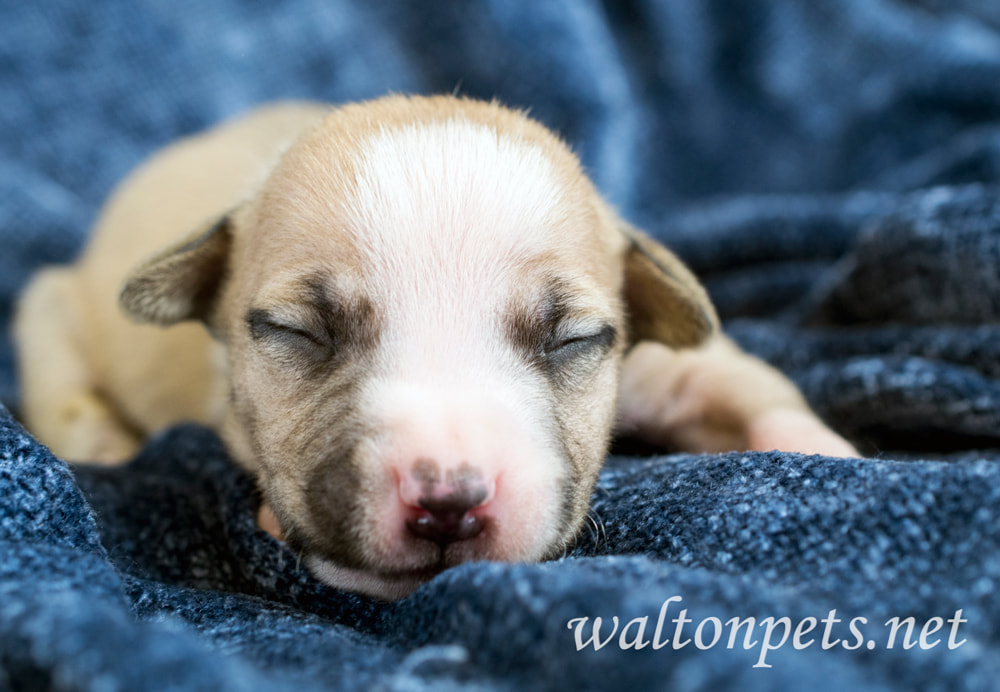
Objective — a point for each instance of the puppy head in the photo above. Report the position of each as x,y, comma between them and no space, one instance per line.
424,307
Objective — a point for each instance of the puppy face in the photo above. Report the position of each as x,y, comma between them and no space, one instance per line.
424,308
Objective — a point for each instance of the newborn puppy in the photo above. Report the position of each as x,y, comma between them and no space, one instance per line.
407,318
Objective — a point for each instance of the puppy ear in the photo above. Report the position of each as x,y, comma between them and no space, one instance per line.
182,282
666,302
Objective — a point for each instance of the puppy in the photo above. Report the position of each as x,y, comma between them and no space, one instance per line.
407,318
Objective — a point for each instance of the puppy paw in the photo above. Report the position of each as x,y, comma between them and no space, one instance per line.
268,522
795,430
103,445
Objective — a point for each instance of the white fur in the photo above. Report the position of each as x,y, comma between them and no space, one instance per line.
445,217
455,190
442,214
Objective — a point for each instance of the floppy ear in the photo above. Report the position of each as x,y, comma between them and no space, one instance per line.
182,282
666,302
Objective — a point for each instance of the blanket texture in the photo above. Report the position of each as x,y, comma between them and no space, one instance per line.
830,168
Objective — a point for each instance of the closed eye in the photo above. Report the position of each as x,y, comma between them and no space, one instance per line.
296,333
564,348
263,325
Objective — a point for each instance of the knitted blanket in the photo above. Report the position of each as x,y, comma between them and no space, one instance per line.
831,169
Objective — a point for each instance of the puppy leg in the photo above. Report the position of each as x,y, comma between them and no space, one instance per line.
717,398
61,404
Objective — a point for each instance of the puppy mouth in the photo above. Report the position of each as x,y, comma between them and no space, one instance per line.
420,557
422,563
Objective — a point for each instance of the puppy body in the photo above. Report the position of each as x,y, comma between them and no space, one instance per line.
95,383
416,311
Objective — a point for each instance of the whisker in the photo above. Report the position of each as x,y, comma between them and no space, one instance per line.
599,529
592,527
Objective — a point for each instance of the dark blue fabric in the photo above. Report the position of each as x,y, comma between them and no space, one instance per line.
830,168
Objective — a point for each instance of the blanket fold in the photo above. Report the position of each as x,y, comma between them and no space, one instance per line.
190,577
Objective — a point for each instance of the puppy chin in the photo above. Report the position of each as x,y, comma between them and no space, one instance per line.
417,562
400,582
385,586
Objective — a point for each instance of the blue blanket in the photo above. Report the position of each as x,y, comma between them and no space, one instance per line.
830,168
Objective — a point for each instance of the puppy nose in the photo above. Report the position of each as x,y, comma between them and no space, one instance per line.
447,519
441,502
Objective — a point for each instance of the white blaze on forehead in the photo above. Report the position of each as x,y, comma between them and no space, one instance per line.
448,209
444,217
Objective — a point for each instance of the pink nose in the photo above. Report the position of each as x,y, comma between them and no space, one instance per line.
441,504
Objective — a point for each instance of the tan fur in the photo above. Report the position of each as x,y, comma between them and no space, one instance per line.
714,399
98,365
247,217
